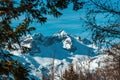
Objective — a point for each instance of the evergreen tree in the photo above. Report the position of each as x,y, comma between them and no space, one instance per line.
11,69
36,10
32,10
70,74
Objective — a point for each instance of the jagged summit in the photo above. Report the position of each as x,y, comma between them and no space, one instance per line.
61,33
61,43
61,47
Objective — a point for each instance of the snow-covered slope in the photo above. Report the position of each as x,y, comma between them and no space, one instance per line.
59,50
60,43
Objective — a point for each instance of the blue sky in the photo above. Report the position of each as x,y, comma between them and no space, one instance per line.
69,21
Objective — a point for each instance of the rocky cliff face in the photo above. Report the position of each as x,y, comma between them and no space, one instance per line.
59,43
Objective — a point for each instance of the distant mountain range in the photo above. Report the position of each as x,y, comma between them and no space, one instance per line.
60,44
58,50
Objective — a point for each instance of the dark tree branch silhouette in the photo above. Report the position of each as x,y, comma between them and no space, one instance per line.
106,31
30,11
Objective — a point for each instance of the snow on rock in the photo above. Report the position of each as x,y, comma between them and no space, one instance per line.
61,34
59,51
67,43
60,43
25,41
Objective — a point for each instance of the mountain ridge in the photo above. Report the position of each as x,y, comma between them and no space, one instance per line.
62,40
57,50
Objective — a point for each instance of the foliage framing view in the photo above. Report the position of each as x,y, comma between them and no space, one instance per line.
106,29
36,10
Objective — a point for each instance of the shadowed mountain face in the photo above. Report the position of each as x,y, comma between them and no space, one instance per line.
59,51
60,45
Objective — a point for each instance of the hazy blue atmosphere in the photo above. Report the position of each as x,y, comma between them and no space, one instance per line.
69,21
59,39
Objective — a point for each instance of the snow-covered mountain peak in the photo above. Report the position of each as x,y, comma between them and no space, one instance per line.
37,35
61,43
61,48
61,34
